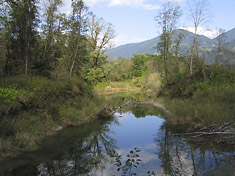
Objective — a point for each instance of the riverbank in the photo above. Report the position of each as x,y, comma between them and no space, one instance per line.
32,108
204,108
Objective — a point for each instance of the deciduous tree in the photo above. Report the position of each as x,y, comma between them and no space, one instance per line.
101,35
22,29
77,42
167,19
198,11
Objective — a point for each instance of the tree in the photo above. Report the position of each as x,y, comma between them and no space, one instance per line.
3,41
3,14
177,42
139,66
101,35
22,29
50,27
198,11
167,19
77,43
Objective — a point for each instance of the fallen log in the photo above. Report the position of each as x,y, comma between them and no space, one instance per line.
113,111
224,133
206,133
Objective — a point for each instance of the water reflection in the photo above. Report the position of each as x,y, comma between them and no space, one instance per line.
74,151
182,158
129,144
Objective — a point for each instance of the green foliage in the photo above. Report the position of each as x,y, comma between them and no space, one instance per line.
21,30
139,68
50,51
184,85
214,106
152,82
132,162
95,76
36,92
202,100
101,85
8,95
167,19
221,76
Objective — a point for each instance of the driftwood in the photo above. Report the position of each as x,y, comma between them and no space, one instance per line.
113,110
215,133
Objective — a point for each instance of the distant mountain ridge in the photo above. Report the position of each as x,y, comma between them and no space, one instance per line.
149,46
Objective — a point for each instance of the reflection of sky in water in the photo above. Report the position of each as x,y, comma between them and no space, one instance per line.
135,132
149,135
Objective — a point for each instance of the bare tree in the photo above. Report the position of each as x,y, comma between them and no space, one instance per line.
199,15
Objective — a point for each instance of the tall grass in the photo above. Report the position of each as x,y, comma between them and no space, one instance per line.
215,106
199,101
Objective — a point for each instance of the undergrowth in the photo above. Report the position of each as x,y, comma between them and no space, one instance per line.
198,101
34,107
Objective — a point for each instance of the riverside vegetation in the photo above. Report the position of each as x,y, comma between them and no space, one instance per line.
34,107
45,57
49,76
203,98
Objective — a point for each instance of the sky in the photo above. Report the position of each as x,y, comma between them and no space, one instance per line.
133,20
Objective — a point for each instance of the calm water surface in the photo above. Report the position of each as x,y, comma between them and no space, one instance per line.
132,138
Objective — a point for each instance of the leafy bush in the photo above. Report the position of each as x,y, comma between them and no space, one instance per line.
8,95
36,92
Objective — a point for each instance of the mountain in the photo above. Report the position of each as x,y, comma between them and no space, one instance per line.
230,36
149,46
128,50
230,39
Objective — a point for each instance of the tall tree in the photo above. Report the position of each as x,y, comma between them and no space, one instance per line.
3,41
167,19
198,11
50,26
77,44
23,23
101,35
3,13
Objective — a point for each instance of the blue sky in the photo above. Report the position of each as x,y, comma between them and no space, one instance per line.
134,19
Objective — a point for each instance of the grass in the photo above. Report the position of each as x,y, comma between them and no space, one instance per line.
122,86
32,108
204,108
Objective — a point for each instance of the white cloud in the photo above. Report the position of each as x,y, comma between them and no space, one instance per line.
93,2
133,3
123,39
178,1
210,33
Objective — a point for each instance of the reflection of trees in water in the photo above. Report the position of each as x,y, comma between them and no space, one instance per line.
141,110
73,151
173,153
181,158
87,156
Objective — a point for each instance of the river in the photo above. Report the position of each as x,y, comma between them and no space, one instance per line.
137,140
